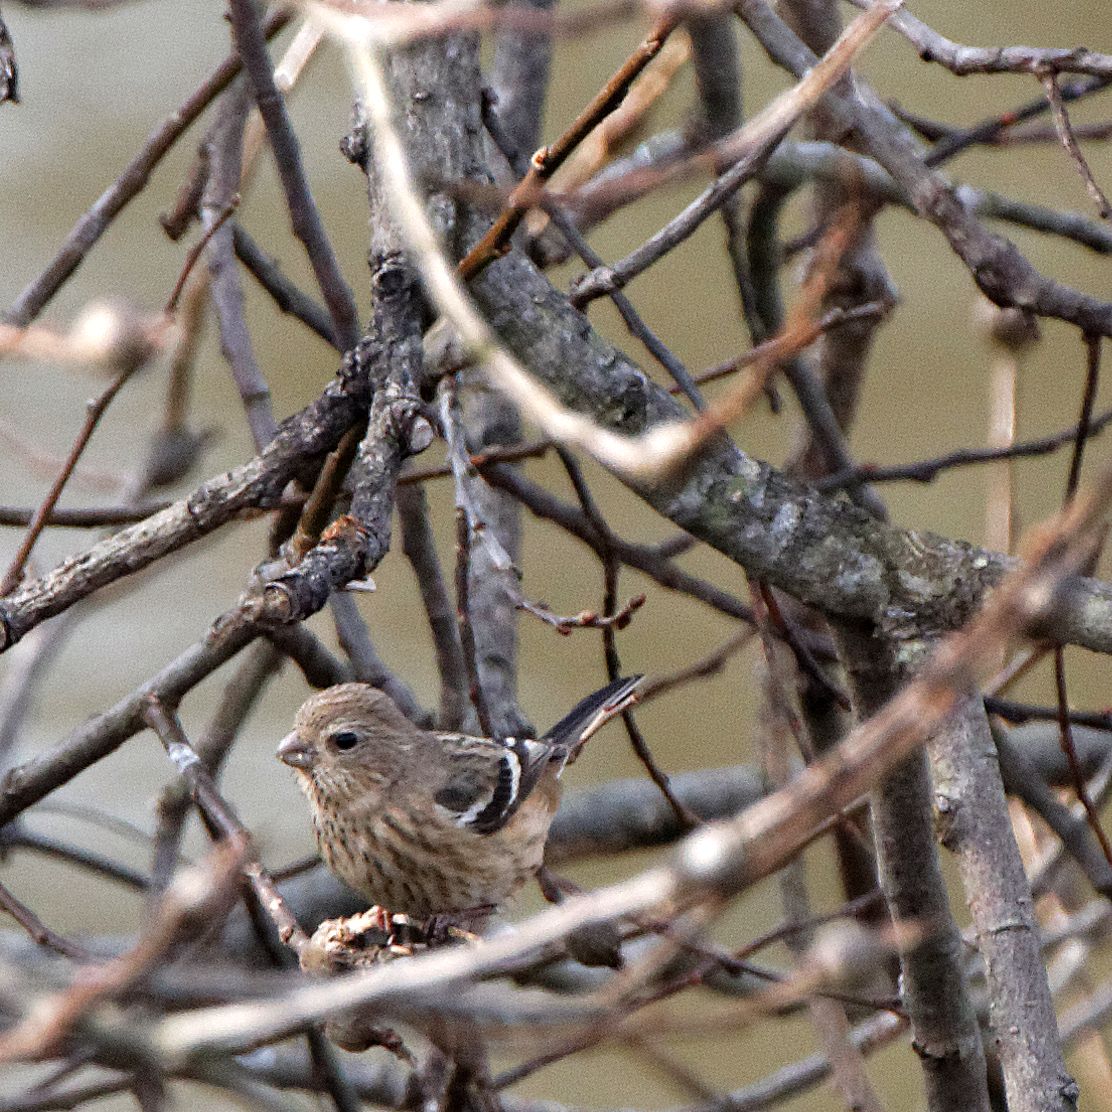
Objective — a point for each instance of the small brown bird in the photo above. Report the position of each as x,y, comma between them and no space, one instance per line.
426,823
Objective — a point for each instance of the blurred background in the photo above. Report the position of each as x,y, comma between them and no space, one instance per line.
93,86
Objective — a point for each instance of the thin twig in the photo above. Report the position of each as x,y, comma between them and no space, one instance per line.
643,557
611,564
224,148
585,619
962,60
195,253
283,292
1085,420
1069,142
750,149
17,836
998,128
94,410
563,221
307,226
777,345
38,930
215,808
548,159
463,616
925,471
808,665
1077,776
260,663
131,181
705,666
478,460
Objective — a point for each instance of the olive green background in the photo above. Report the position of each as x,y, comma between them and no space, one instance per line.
94,85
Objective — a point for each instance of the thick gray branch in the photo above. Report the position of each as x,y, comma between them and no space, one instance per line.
932,981
823,551
300,439
974,823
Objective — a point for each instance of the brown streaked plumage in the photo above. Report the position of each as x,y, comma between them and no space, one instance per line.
426,823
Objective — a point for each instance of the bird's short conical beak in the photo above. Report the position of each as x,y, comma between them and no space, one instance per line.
294,752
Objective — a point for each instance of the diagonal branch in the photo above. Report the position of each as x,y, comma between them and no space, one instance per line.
716,861
250,41
1004,275
258,483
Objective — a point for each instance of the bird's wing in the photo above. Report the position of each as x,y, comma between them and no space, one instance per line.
488,780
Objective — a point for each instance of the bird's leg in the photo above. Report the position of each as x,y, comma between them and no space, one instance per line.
456,926
554,888
403,930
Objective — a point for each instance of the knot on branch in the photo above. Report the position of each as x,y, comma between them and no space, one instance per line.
295,594
938,587
948,825
596,283
355,145
392,278
410,427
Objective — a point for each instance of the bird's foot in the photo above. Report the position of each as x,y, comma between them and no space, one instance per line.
356,942
397,932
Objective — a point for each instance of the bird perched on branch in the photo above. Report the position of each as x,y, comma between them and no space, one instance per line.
425,823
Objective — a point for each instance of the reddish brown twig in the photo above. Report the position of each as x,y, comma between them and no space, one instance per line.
190,906
622,125
317,507
546,161
585,619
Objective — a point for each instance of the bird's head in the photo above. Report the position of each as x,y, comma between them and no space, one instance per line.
349,740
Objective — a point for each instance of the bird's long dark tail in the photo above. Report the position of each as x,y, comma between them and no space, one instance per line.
591,713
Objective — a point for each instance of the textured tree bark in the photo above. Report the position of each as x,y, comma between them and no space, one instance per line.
933,985
974,824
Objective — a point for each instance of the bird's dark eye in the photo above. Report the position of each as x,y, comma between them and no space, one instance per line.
345,739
